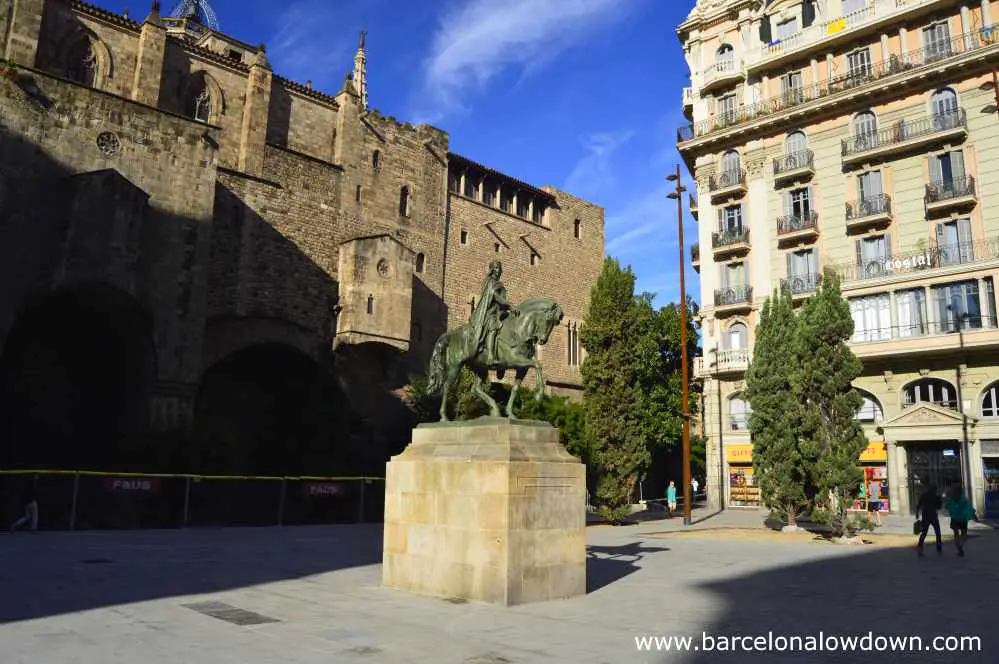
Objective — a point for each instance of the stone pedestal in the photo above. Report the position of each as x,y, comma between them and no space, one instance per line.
491,510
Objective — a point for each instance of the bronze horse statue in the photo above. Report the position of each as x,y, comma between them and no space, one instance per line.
516,348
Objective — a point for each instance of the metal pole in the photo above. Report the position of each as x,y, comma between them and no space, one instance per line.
684,379
723,480
284,490
965,447
187,501
72,509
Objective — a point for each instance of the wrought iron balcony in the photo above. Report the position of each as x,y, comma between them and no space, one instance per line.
801,284
798,224
920,260
949,192
793,165
734,296
730,239
913,132
868,210
728,182
905,63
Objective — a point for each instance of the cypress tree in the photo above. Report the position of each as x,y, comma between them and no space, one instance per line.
822,380
781,466
613,333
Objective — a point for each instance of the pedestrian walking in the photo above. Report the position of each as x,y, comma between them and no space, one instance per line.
961,512
671,497
30,513
693,494
926,513
874,501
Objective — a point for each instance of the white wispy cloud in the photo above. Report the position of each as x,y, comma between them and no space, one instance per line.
478,39
303,47
593,175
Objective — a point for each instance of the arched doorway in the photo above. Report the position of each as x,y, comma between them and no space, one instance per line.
267,409
76,376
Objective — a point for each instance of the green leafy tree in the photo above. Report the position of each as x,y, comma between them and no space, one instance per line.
613,372
781,465
822,382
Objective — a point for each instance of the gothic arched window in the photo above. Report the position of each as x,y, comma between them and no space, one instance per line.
404,203
81,62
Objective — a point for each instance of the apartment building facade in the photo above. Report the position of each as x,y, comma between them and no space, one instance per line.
853,135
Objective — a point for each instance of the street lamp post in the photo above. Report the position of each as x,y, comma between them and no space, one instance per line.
687,498
966,479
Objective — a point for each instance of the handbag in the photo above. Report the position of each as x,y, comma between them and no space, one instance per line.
917,527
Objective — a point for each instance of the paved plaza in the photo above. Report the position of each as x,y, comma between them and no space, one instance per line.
311,594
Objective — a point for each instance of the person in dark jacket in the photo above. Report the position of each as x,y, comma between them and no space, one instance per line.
926,511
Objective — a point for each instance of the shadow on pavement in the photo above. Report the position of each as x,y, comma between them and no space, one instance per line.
46,574
607,564
888,591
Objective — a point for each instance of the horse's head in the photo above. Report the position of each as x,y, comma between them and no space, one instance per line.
542,315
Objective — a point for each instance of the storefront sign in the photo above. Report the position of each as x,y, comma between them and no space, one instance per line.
990,448
739,453
132,484
875,451
324,489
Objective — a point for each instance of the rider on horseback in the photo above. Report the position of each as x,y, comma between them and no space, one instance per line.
490,310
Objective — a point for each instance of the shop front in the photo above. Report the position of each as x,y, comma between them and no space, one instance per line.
742,488
990,468
874,492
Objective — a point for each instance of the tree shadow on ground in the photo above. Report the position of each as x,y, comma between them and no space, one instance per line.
607,564
856,590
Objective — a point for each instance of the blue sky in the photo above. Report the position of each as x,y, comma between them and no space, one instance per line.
580,94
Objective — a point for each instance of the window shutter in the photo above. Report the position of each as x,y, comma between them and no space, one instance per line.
810,191
876,189
860,252
964,237
742,216
721,220
724,276
940,236
813,261
788,256
957,166
936,174
787,203
888,245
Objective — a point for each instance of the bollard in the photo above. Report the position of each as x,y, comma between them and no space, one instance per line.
284,485
187,500
360,511
72,509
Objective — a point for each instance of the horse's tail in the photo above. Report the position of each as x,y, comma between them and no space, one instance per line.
438,366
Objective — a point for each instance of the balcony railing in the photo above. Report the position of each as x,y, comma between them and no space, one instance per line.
918,260
695,253
728,237
800,284
895,64
726,180
792,223
795,161
904,130
733,295
923,328
946,190
946,403
688,96
868,207
719,70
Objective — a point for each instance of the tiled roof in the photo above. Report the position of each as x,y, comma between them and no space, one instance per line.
458,159
105,15
308,92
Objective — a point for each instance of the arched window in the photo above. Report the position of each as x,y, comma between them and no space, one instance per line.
737,336
200,103
730,162
725,53
576,228
929,390
870,409
420,260
865,125
795,143
943,105
376,160
404,201
990,401
738,413
81,62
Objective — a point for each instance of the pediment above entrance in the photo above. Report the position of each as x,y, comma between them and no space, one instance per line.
925,421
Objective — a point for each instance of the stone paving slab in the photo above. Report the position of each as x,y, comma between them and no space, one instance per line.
322,586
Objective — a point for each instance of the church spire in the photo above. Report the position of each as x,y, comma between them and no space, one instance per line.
360,72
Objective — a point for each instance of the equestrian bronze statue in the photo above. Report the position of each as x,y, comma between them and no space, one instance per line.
499,336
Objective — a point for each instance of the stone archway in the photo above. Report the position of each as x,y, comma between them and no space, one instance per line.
76,376
267,409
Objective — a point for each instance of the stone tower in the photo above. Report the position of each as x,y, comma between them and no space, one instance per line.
360,71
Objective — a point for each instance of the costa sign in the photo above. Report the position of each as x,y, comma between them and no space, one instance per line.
132,484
